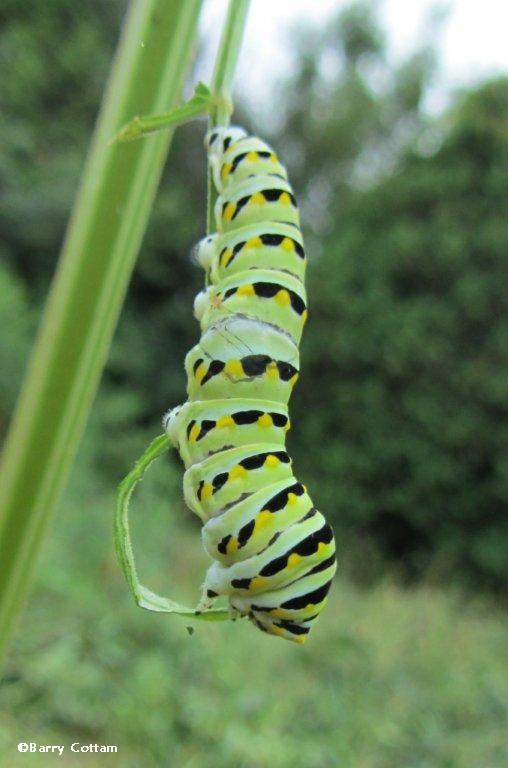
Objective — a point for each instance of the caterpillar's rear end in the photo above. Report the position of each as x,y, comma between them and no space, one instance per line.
273,551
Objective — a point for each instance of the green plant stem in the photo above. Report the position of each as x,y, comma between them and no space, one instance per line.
103,239
222,80
144,597
139,127
227,58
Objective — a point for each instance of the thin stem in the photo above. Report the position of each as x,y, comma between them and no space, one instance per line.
222,79
144,597
103,239
227,57
139,127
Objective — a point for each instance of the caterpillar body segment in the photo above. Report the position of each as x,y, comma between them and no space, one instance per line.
216,144
223,479
262,246
273,296
252,523
257,358
273,552
234,157
265,198
203,428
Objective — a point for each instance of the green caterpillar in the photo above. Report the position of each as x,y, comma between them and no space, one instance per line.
273,552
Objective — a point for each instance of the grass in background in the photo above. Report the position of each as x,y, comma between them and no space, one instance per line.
389,679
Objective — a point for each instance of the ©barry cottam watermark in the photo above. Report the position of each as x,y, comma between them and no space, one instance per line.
59,749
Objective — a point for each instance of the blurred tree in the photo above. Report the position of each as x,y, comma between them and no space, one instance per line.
409,293
405,228
17,326
56,58
350,110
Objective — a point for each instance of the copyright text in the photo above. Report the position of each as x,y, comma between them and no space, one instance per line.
59,749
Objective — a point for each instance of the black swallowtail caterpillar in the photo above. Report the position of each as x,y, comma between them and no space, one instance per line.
273,552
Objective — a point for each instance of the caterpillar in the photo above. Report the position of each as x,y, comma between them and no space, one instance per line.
273,552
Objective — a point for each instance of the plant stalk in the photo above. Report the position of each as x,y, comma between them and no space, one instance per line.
227,58
98,255
222,80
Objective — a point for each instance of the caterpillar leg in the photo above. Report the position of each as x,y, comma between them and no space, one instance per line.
170,422
207,600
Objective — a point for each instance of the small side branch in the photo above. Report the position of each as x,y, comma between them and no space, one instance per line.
200,104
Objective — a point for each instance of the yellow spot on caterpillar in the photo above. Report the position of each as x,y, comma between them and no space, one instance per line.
225,421
304,488
225,171
245,290
277,631
258,582
265,420
206,491
254,242
282,297
258,198
285,199
272,371
271,460
226,257
288,426
293,380
305,315
263,519
231,546
229,211
287,244
237,472
193,434
273,157
321,547
252,156
200,372
293,560
300,639
292,499
278,613
234,368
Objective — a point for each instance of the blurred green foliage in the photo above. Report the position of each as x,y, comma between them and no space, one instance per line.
398,422
389,678
411,298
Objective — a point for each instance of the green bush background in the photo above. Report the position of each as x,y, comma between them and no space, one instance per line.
399,421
